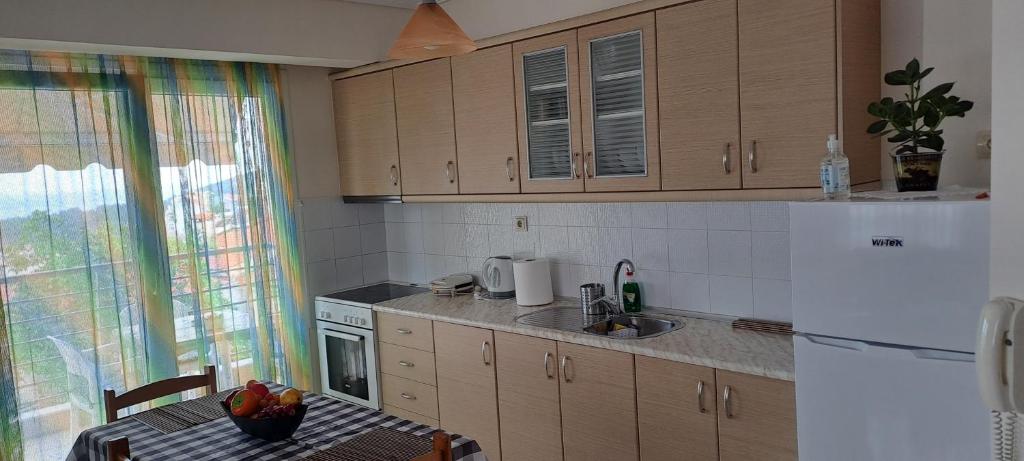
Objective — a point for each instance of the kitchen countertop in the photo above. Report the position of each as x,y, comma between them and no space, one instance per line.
710,343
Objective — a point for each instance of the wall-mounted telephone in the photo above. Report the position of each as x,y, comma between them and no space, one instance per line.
1000,367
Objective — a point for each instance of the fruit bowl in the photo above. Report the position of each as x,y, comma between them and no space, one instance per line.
271,429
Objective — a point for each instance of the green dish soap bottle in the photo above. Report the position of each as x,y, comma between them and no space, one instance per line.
631,301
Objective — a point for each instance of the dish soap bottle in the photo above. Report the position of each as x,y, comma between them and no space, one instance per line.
840,169
631,301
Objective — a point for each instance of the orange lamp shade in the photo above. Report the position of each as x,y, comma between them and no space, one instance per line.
431,33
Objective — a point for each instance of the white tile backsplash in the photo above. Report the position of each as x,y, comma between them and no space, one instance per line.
650,249
729,216
688,215
649,215
690,292
433,238
770,253
728,258
374,238
773,300
375,267
349,272
688,250
732,295
347,242
319,245
729,253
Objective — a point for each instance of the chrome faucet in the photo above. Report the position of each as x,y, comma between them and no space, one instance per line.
615,282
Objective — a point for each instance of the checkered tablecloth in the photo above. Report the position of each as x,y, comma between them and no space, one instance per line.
328,421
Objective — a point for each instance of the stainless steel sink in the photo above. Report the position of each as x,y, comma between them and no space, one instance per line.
644,326
572,319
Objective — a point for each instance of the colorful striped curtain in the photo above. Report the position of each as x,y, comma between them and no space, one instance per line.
146,230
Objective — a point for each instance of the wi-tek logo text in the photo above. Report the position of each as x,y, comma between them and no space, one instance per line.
886,241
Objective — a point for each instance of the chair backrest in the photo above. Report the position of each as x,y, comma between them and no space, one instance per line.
442,448
113,402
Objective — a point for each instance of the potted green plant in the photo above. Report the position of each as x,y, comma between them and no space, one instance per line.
913,123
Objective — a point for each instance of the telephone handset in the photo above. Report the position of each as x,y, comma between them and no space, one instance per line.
1000,368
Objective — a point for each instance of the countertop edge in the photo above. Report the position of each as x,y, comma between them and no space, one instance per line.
627,346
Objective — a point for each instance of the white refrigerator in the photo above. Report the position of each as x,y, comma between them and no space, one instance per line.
886,298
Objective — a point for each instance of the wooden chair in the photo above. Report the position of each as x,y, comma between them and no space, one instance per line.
113,402
442,449
118,449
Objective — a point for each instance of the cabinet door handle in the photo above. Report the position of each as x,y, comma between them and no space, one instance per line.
448,171
394,175
700,397
725,158
508,169
408,396
752,156
566,361
727,399
485,352
586,165
403,331
406,364
547,365
572,165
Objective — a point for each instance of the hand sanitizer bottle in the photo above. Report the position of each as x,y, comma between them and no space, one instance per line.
828,174
840,169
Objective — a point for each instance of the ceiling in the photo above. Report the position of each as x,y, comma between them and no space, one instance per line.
410,4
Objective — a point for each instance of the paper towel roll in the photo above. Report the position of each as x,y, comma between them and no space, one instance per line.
533,281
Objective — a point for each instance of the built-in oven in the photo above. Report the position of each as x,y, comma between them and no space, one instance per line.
348,360
347,345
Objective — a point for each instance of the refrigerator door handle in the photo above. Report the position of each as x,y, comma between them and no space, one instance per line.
860,346
949,356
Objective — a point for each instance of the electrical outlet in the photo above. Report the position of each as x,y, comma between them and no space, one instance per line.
983,144
520,224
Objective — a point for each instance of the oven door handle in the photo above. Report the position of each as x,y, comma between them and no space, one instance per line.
343,335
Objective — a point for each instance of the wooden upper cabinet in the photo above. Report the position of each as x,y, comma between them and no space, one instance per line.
426,128
756,418
619,93
364,116
676,411
531,421
546,73
467,394
485,121
787,51
598,396
698,90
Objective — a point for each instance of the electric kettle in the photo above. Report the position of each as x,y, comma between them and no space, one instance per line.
496,277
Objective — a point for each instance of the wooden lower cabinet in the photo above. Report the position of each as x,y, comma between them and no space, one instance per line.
598,404
467,393
531,420
756,418
676,411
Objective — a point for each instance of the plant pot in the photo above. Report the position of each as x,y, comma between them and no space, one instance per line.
917,172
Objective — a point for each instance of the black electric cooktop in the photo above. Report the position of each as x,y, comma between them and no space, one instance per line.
374,294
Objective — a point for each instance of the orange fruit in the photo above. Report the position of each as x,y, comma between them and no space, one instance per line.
291,397
245,403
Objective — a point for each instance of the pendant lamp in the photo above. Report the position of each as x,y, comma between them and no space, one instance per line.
431,33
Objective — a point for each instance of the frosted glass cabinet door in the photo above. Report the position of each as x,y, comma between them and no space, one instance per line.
618,82
547,101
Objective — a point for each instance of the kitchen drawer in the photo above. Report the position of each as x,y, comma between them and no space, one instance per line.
407,363
405,331
409,395
414,417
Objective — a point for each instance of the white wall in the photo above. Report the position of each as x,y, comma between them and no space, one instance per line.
328,33
955,37
487,18
1007,263
310,116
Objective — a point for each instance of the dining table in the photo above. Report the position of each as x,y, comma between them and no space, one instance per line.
328,422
